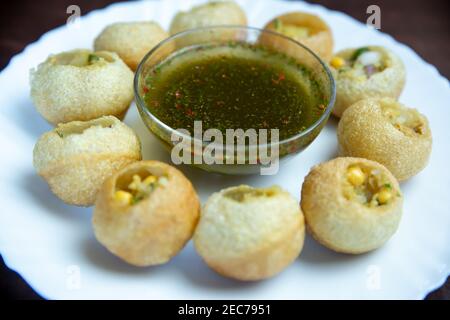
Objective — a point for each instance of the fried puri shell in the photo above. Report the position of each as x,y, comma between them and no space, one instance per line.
308,29
130,40
388,132
75,158
215,13
351,88
81,85
153,229
250,234
348,212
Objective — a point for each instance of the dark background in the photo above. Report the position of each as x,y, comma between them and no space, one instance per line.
423,25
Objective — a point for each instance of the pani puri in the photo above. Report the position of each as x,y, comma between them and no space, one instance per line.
145,213
388,132
130,40
250,233
366,72
81,85
308,29
351,205
76,157
215,13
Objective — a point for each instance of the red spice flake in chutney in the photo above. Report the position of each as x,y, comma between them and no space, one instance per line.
234,86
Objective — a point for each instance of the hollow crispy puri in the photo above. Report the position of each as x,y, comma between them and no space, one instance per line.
364,131
153,230
64,92
214,13
386,83
76,164
341,224
320,41
130,40
253,239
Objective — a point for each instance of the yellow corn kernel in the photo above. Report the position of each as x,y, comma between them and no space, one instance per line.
123,197
337,62
356,176
384,196
149,180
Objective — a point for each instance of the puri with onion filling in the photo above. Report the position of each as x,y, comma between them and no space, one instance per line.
308,29
75,158
366,72
145,213
250,233
81,85
130,40
351,205
388,132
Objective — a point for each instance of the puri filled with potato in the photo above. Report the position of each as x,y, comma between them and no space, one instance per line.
366,72
145,213
388,132
81,85
250,233
351,205
76,157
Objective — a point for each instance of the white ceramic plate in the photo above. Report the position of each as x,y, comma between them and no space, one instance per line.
52,245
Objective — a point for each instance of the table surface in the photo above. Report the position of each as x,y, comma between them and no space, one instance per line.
428,34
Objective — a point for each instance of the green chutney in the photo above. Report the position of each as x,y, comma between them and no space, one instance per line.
234,86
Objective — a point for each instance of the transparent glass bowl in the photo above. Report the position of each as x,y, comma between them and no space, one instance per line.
223,35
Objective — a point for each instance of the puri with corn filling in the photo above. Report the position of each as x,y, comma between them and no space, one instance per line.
250,233
351,205
145,213
308,29
215,13
75,158
388,132
130,40
366,72
81,85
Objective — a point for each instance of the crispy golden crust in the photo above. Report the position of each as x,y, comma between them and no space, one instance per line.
251,239
214,13
65,92
130,40
153,230
75,158
387,83
320,41
365,131
342,224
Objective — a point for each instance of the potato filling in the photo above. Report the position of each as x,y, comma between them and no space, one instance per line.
139,188
292,31
367,186
80,58
245,193
363,63
407,120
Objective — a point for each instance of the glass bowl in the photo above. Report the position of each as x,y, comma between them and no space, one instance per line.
227,161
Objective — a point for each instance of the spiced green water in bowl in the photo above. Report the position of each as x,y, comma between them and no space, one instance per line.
223,79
